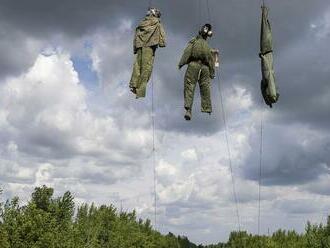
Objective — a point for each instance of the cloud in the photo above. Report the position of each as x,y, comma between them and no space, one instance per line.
320,186
46,118
297,156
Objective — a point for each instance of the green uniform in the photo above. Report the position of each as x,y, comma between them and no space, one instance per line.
201,69
148,36
268,86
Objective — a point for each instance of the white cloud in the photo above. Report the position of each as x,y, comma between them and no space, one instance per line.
48,127
190,155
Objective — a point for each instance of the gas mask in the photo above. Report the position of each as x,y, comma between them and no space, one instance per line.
154,12
207,30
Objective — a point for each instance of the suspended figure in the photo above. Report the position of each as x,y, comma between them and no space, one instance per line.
268,85
201,68
149,35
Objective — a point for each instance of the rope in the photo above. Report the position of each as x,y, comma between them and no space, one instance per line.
260,171
154,151
227,138
260,159
200,12
208,11
153,143
150,2
229,154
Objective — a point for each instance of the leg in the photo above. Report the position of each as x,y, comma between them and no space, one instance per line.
146,70
205,85
136,71
190,81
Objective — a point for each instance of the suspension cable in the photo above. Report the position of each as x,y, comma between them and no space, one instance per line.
200,12
260,158
260,171
154,150
229,154
208,11
153,143
227,138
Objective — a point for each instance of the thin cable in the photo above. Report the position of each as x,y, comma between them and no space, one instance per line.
260,158
229,153
200,12
208,11
154,150
260,171
153,144
227,139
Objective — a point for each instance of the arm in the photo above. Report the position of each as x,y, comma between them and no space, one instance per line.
134,43
186,54
211,65
162,38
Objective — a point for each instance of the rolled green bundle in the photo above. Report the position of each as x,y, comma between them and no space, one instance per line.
268,84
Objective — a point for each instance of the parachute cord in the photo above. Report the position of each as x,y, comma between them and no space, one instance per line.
200,12
229,154
154,150
227,139
150,2
260,170
208,11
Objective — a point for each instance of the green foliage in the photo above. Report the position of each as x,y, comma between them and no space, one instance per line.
49,222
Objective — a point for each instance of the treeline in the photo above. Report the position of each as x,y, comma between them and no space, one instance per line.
316,236
49,222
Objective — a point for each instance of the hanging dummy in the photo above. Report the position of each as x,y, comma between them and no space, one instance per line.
200,59
268,85
149,36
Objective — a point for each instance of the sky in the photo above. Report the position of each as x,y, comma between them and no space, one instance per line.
69,121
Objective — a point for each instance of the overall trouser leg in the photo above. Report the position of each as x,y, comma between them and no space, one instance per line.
205,90
190,80
136,71
147,61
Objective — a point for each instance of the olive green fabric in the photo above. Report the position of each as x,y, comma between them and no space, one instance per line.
198,49
150,32
201,69
268,84
149,35
142,70
197,72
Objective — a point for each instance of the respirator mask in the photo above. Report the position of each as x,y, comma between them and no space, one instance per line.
207,30
153,12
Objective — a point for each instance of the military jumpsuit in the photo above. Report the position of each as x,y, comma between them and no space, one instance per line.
149,35
201,69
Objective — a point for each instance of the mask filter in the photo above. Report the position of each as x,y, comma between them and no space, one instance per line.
207,30
153,12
